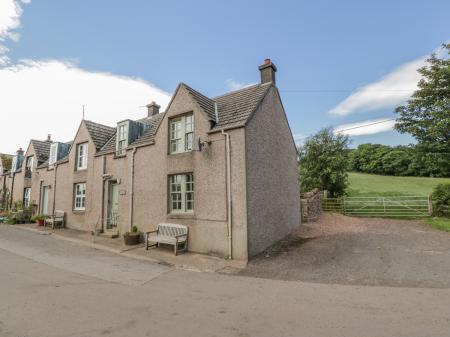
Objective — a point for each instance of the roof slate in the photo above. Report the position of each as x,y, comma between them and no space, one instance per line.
99,133
41,149
233,108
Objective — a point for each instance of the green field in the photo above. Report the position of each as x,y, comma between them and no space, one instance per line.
361,184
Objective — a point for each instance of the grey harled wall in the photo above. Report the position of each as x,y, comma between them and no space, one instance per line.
273,197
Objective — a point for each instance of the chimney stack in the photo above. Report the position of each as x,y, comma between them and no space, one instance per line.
49,138
268,70
19,152
153,109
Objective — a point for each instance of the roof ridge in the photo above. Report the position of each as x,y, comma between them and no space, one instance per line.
106,126
242,89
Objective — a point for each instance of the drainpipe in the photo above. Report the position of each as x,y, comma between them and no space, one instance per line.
12,190
229,199
132,187
103,193
54,188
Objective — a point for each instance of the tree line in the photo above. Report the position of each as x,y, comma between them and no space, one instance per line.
411,160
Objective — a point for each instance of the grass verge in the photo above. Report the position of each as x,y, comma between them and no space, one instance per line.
442,224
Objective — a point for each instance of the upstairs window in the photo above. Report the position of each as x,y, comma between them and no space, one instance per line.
53,154
122,138
82,156
29,167
79,197
181,193
181,134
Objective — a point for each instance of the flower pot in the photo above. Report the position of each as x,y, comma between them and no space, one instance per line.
40,222
131,239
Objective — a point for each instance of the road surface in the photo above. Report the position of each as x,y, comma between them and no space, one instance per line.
45,291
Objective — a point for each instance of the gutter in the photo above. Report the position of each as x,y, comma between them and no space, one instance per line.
229,198
132,188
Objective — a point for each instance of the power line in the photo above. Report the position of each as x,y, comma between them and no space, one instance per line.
358,126
364,125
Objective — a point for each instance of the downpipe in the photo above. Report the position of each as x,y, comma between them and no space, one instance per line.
132,188
229,199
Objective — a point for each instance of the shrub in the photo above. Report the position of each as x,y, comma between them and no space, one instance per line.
134,229
37,217
441,200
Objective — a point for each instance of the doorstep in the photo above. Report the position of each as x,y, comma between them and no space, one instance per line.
187,261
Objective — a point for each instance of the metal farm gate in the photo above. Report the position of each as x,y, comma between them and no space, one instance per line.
377,206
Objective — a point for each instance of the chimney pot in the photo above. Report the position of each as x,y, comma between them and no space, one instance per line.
268,70
49,138
153,109
19,152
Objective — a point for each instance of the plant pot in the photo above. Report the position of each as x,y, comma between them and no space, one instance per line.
40,222
131,239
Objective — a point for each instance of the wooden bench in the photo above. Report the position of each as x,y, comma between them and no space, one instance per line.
167,233
55,219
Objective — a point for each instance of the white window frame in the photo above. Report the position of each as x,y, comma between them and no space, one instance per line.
53,157
82,156
122,138
181,193
29,163
181,134
27,197
79,197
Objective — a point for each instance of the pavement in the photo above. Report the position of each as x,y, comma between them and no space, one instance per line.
85,292
339,249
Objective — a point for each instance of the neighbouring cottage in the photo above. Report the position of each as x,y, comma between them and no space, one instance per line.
225,166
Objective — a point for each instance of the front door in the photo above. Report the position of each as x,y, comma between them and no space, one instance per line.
44,207
113,205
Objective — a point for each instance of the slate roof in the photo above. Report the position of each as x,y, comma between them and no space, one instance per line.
233,108
147,138
6,160
41,149
99,133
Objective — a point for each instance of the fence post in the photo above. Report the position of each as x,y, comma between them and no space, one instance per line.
430,205
343,205
384,206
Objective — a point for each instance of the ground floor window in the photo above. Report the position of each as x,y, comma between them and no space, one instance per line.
181,193
80,197
26,197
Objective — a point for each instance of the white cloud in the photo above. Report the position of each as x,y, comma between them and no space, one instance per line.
41,97
10,12
368,127
388,92
233,85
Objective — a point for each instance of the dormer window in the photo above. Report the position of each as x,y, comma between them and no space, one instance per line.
82,156
53,154
29,167
122,138
181,134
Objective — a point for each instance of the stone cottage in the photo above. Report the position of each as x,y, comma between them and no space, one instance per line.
226,166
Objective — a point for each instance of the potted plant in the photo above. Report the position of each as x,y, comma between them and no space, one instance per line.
39,219
132,237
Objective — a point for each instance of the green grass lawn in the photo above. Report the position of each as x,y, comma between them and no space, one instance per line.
362,184
439,223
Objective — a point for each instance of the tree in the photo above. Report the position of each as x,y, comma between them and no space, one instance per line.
323,162
426,116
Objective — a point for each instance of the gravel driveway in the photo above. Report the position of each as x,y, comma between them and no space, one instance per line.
361,251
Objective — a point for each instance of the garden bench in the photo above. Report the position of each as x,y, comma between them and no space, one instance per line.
167,233
55,219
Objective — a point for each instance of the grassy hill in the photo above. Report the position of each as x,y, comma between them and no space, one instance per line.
371,184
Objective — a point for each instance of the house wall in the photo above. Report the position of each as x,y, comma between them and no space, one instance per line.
153,165
273,196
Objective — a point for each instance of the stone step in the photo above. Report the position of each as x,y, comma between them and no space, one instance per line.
112,234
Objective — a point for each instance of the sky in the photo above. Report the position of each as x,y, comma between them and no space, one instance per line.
341,64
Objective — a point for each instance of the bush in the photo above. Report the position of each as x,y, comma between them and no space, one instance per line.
37,217
441,200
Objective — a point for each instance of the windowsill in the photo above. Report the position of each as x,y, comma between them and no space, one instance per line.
118,156
181,215
78,211
81,169
181,153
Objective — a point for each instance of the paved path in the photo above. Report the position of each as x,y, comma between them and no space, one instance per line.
39,298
